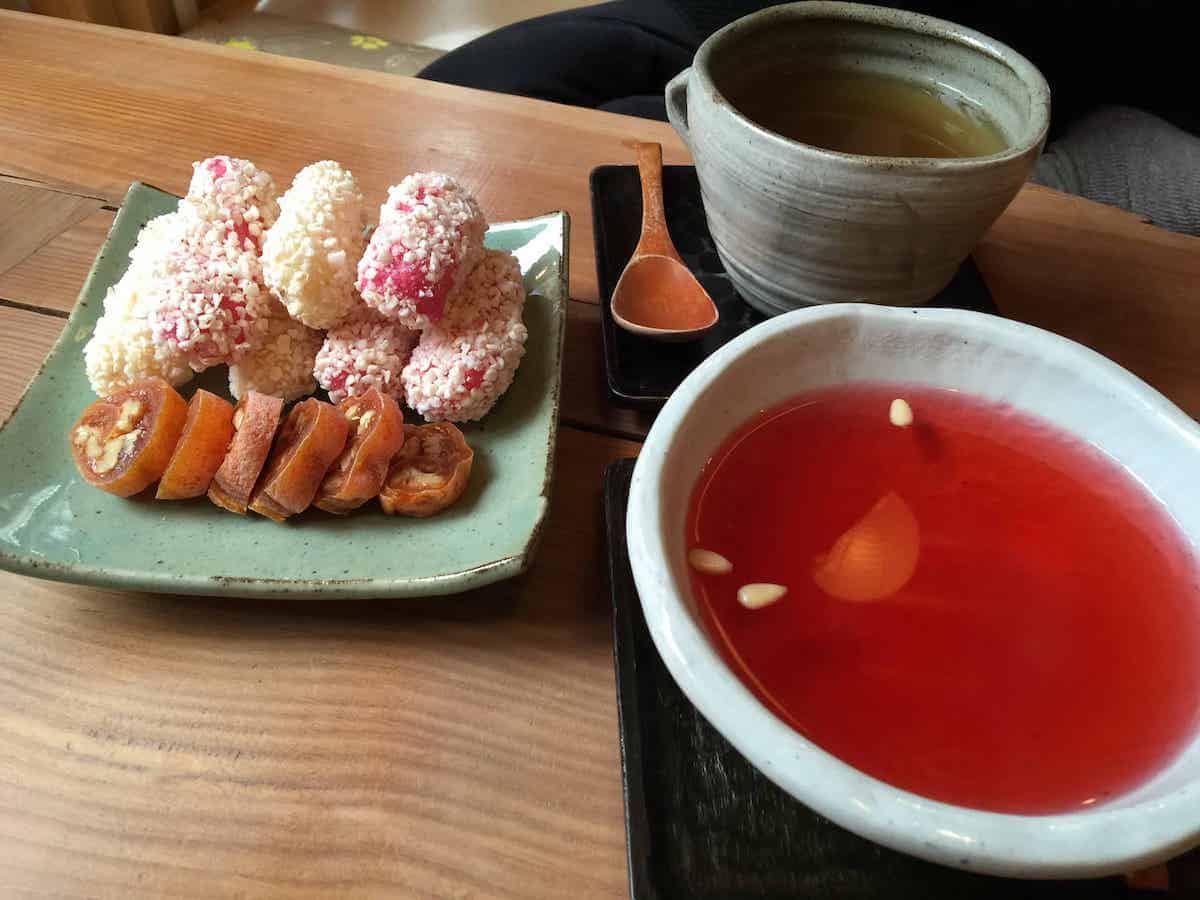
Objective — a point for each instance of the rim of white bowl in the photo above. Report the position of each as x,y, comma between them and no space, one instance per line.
1069,845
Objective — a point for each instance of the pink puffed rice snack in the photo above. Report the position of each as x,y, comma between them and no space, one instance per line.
212,302
430,237
366,352
462,367
213,307
230,201
121,349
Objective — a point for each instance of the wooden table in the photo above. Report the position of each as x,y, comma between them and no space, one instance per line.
458,747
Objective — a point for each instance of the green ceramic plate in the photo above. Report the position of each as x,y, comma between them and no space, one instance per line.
53,525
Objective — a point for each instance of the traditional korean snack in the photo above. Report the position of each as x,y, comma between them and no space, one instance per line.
283,364
364,353
310,255
229,202
357,475
430,236
429,473
291,295
122,350
123,443
311,438
212,305
255,420
211,302
460,368
201,448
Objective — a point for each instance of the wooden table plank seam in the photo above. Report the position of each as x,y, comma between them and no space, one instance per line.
13,178
29,307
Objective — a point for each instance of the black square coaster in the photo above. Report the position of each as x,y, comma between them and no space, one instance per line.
642,372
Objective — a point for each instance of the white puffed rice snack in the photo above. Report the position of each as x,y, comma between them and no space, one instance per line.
310,255
282,365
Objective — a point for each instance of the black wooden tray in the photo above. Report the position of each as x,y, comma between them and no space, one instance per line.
642,372
703,824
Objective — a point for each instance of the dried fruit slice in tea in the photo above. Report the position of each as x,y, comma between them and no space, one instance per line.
312,436
429,472
254,421
123,443
359,473
201,448
876,557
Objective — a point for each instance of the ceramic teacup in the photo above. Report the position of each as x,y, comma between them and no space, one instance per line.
797,225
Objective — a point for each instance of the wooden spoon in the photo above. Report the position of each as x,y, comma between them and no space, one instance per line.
657,296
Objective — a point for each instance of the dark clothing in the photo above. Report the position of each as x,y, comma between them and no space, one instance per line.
1132,160
614,56
1136,53
1094,53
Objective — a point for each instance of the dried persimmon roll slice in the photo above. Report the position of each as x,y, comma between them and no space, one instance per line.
254,422
201,448
123,443
359,472
311,438
429,472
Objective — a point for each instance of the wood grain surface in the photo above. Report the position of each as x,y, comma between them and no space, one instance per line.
115,106
158,746
50,277
1105,278
25,339
34,216
176,746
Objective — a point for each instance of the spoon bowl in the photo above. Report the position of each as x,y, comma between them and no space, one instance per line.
657,296
658,289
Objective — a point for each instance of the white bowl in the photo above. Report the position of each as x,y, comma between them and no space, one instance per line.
1041,373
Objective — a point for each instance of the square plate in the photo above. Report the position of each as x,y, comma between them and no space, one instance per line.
642,372
53,525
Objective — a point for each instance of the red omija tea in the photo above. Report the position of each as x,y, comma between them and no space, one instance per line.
980,608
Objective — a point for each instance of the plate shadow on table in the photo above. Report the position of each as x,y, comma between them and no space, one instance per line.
510,618
233,618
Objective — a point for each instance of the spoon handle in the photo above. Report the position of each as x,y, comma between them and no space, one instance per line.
655,239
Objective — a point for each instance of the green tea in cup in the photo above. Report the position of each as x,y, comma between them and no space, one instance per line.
865,113
853,152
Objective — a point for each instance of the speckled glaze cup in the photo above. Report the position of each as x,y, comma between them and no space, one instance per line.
797,225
